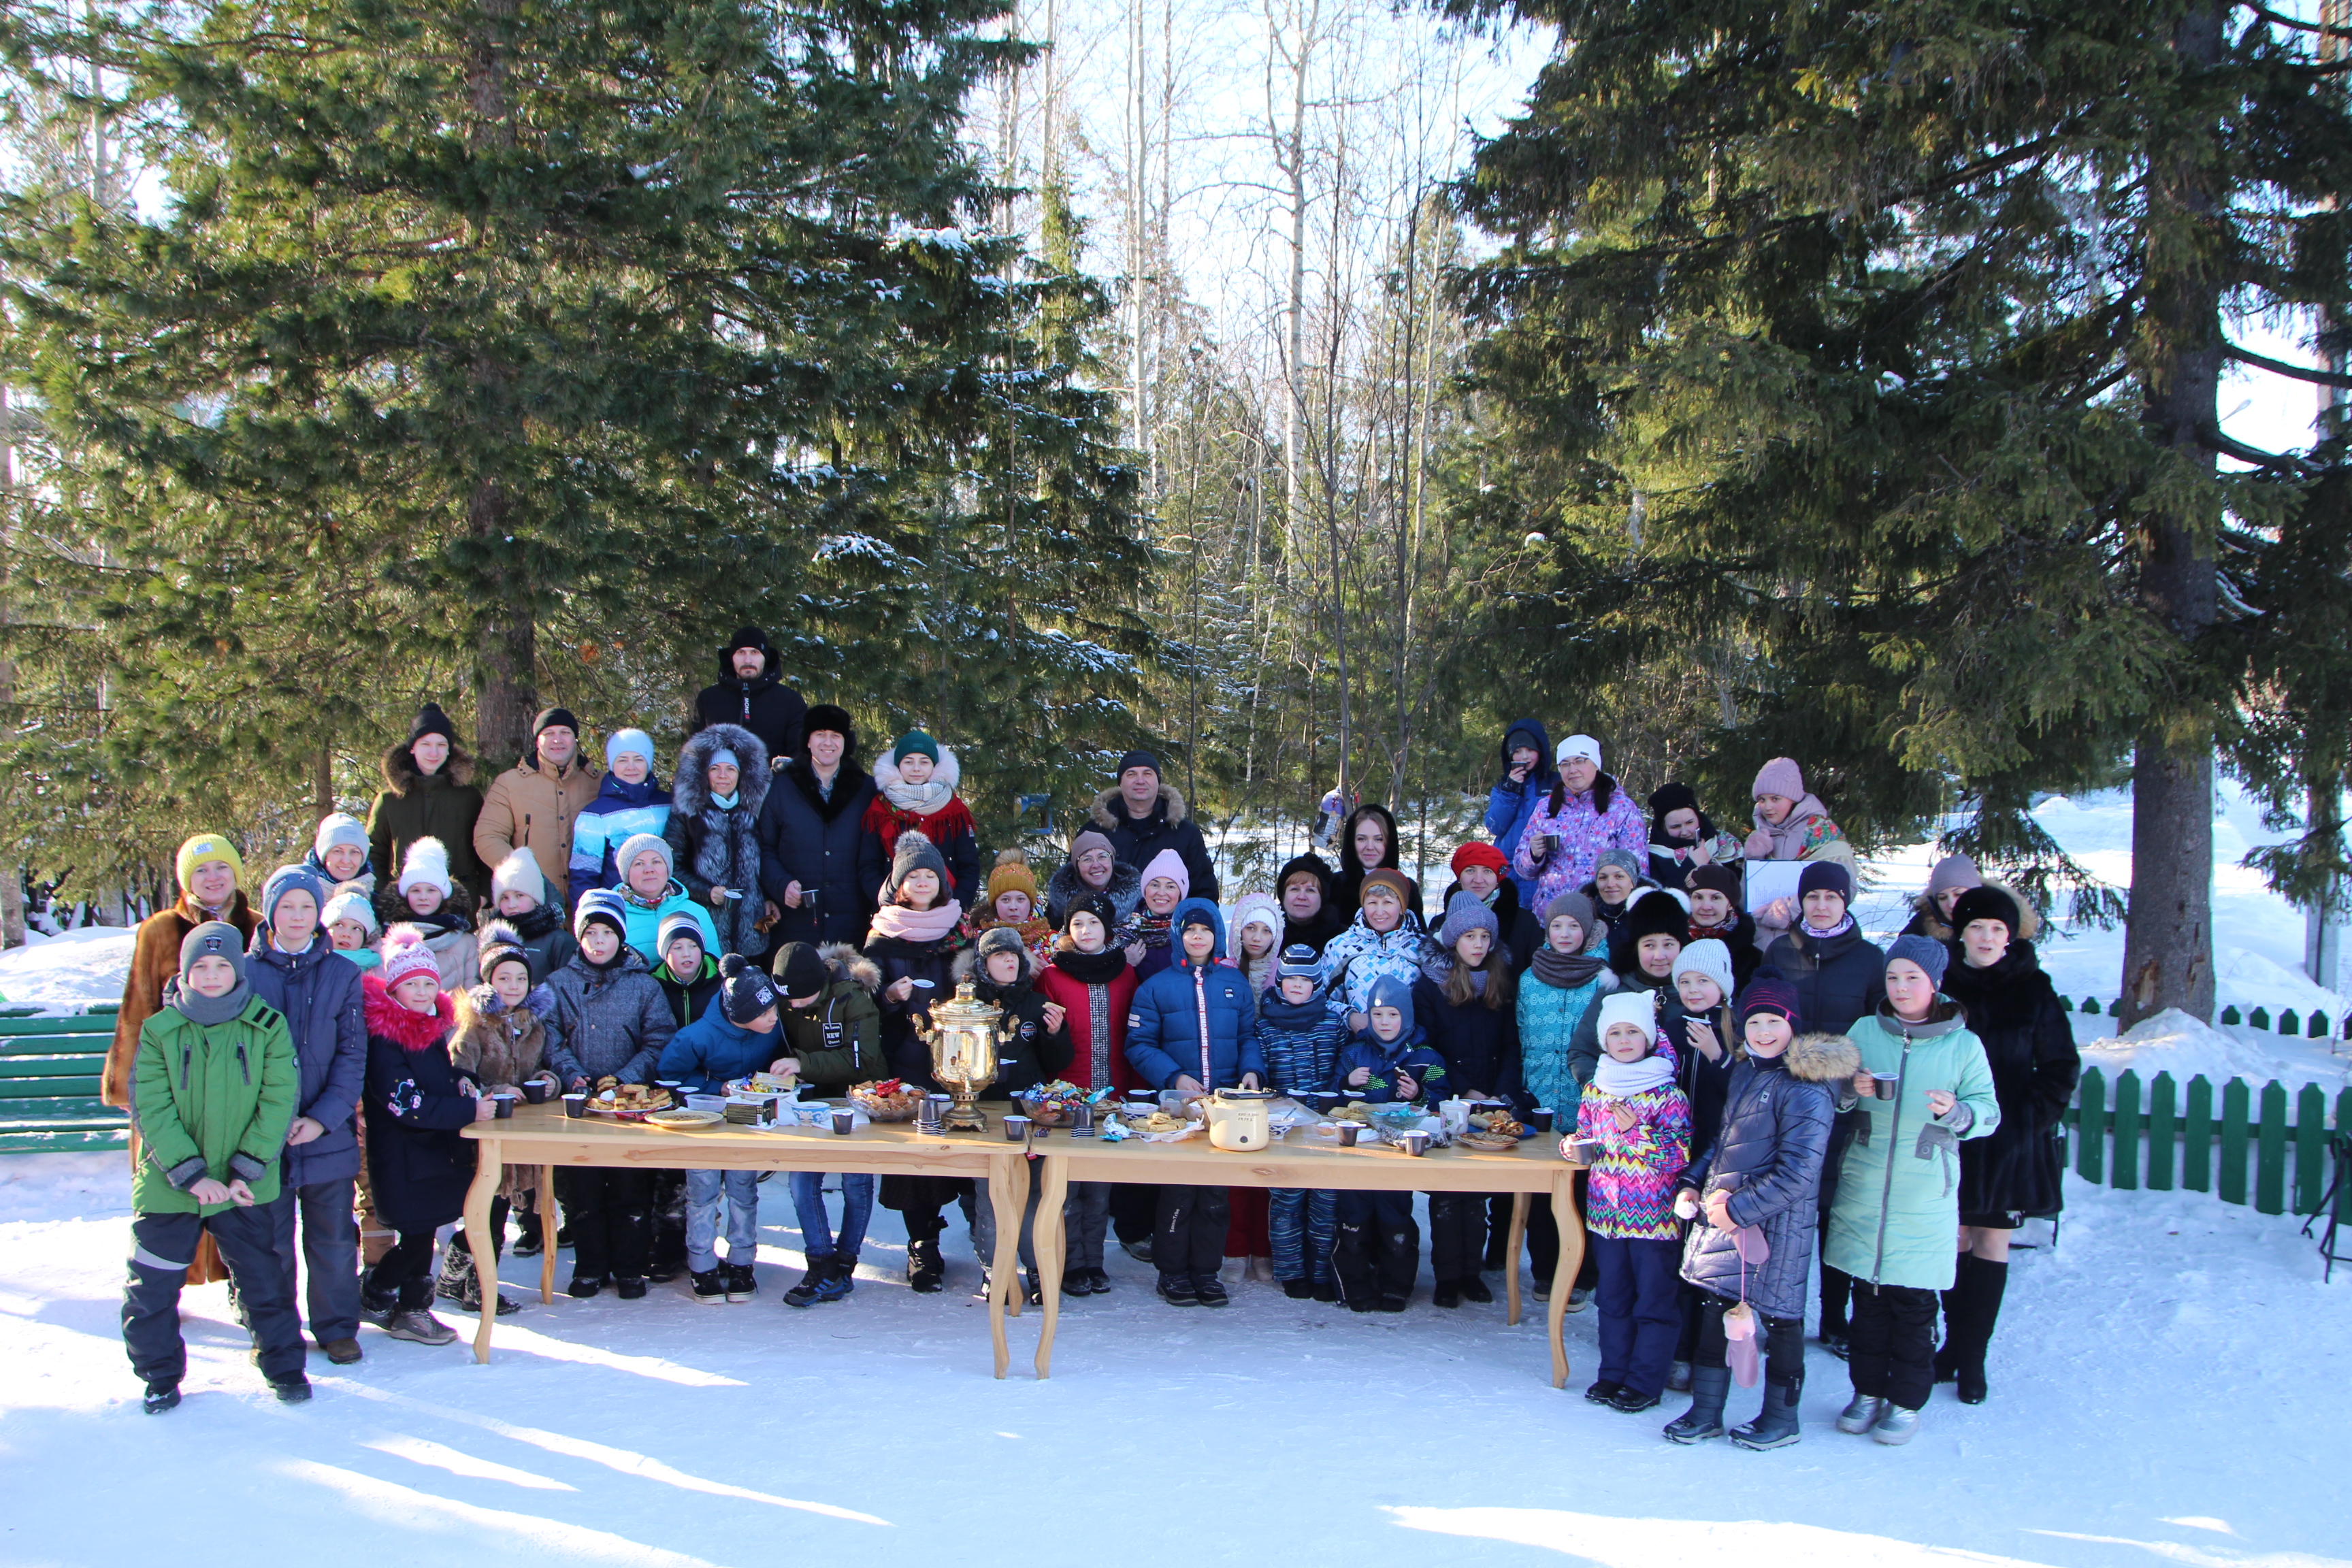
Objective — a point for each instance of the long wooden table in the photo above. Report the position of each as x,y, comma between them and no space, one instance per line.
543,1136
1311,1163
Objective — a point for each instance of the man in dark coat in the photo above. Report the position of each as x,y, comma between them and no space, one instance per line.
820,868
1143,816
751,692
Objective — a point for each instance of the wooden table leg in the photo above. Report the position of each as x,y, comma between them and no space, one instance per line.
1563,1279
551,1220
1052,1254
1519,1240
489,1169
1008,1195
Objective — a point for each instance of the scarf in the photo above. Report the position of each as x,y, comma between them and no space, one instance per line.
1623,1080
1722,933
207,1010
917,925
925,799
726,801
1090,968
1564,971
1788,837
1845,924
1145,927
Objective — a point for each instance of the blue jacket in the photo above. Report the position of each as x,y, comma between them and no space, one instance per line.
1549,1017
326,1012
710,1051
644,922
618,810
1510,806
1408,1054
1301,1041
1187,1012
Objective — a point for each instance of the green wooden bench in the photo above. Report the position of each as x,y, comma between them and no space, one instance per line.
49,1072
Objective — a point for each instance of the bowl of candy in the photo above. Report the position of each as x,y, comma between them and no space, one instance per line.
888,1099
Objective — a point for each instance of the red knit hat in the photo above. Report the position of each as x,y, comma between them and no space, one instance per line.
1479,854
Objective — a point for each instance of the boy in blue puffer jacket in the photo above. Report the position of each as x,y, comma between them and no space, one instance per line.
1378,1252
1194,1028
736,1038
1302,1042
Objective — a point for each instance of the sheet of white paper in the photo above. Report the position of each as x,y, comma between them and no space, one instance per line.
1770,879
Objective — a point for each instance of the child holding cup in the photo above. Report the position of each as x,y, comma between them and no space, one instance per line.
1642,1123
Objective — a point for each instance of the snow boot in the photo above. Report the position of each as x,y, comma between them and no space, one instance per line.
841,1281
1776,1425
1208,1290
710,1288
457,1280
811,1288
927,1271
342,1352
743,1284
1602,1391
1631,1401
1476,1289
1710,1386
294,1390
1982,1283
160,1397
1897,1427
1176,1290
629,1288
1099,1281
1446,1293
1678,1376
1297,1290
1861,1413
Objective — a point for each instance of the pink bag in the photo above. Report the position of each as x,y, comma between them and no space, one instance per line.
1740,1348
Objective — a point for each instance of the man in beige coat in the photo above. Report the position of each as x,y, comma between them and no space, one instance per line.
533,804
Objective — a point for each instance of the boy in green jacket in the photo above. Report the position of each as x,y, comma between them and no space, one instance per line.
215,1081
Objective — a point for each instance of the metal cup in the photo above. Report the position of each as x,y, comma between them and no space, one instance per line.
843,1121
575,1105
1540,1118
1016,1128
1349,1132
538,1090
1585,1151
1413,1143
1889,1084
506,1104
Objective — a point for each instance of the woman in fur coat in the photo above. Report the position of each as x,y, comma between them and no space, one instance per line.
713,831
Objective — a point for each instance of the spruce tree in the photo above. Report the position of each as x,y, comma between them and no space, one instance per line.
1888,340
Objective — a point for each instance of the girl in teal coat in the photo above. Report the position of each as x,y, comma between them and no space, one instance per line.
1897,1213
1569,974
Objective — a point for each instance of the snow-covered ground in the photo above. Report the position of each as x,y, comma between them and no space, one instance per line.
2168,1387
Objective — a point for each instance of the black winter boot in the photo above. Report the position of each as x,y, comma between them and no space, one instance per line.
1985,1283
927,1271
1710,1386
456,1280
810,1289
1775,1426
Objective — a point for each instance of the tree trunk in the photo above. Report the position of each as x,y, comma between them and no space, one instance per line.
2168,937
506,645
322,780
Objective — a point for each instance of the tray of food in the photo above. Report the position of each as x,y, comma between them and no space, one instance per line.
1493,1130
626,1101
766,1083
888,1099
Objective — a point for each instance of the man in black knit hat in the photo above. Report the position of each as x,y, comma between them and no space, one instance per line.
751,692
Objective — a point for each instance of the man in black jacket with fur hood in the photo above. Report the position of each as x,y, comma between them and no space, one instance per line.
1142,816
751,692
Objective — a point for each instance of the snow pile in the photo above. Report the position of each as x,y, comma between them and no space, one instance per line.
660,1432
69,970
2175,1041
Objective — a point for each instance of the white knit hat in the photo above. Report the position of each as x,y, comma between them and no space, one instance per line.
339,828
353,905
519,873
1578,746
1639,1008
426,863
637,844
1709,958
404,953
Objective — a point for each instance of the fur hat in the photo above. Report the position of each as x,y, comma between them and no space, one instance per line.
1779,777
426,864
1478,852
826,716
405,953
203,849
217,939
288,879
501,943
1393,991
1656,913
676,924
744,992
1466,912
1012,875
601,906
1390,878
1170,864
339,828
1954,871
1768,991
1001,939
1299,963
1826,876
1926,952
1985,904
353,905
1578,746
1710,958
1714,877
801,970
1257,908
1637,1007
622,741
637,844
915,852
519,873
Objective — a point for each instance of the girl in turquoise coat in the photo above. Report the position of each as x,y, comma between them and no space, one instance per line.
1926,1086
1569,974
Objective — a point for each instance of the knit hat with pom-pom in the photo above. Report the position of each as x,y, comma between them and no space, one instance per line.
1012,875
404,954
426,864
744,992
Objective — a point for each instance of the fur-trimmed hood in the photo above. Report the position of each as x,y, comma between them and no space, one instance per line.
391,905
1821,1059
1063,889
404,1026
689,789
399,768
967,967
1107,813
846,963
948,772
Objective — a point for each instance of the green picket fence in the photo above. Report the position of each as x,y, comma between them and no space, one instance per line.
2153,1136
49,1070
2313,1025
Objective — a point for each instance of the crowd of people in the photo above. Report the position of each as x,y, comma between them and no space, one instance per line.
1742,1084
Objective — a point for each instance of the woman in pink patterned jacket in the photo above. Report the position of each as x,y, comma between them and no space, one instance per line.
1585,814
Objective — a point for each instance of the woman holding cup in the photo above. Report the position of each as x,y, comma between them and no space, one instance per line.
1925,1086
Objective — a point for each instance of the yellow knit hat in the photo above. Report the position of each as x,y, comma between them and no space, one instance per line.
1011,872
203,850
